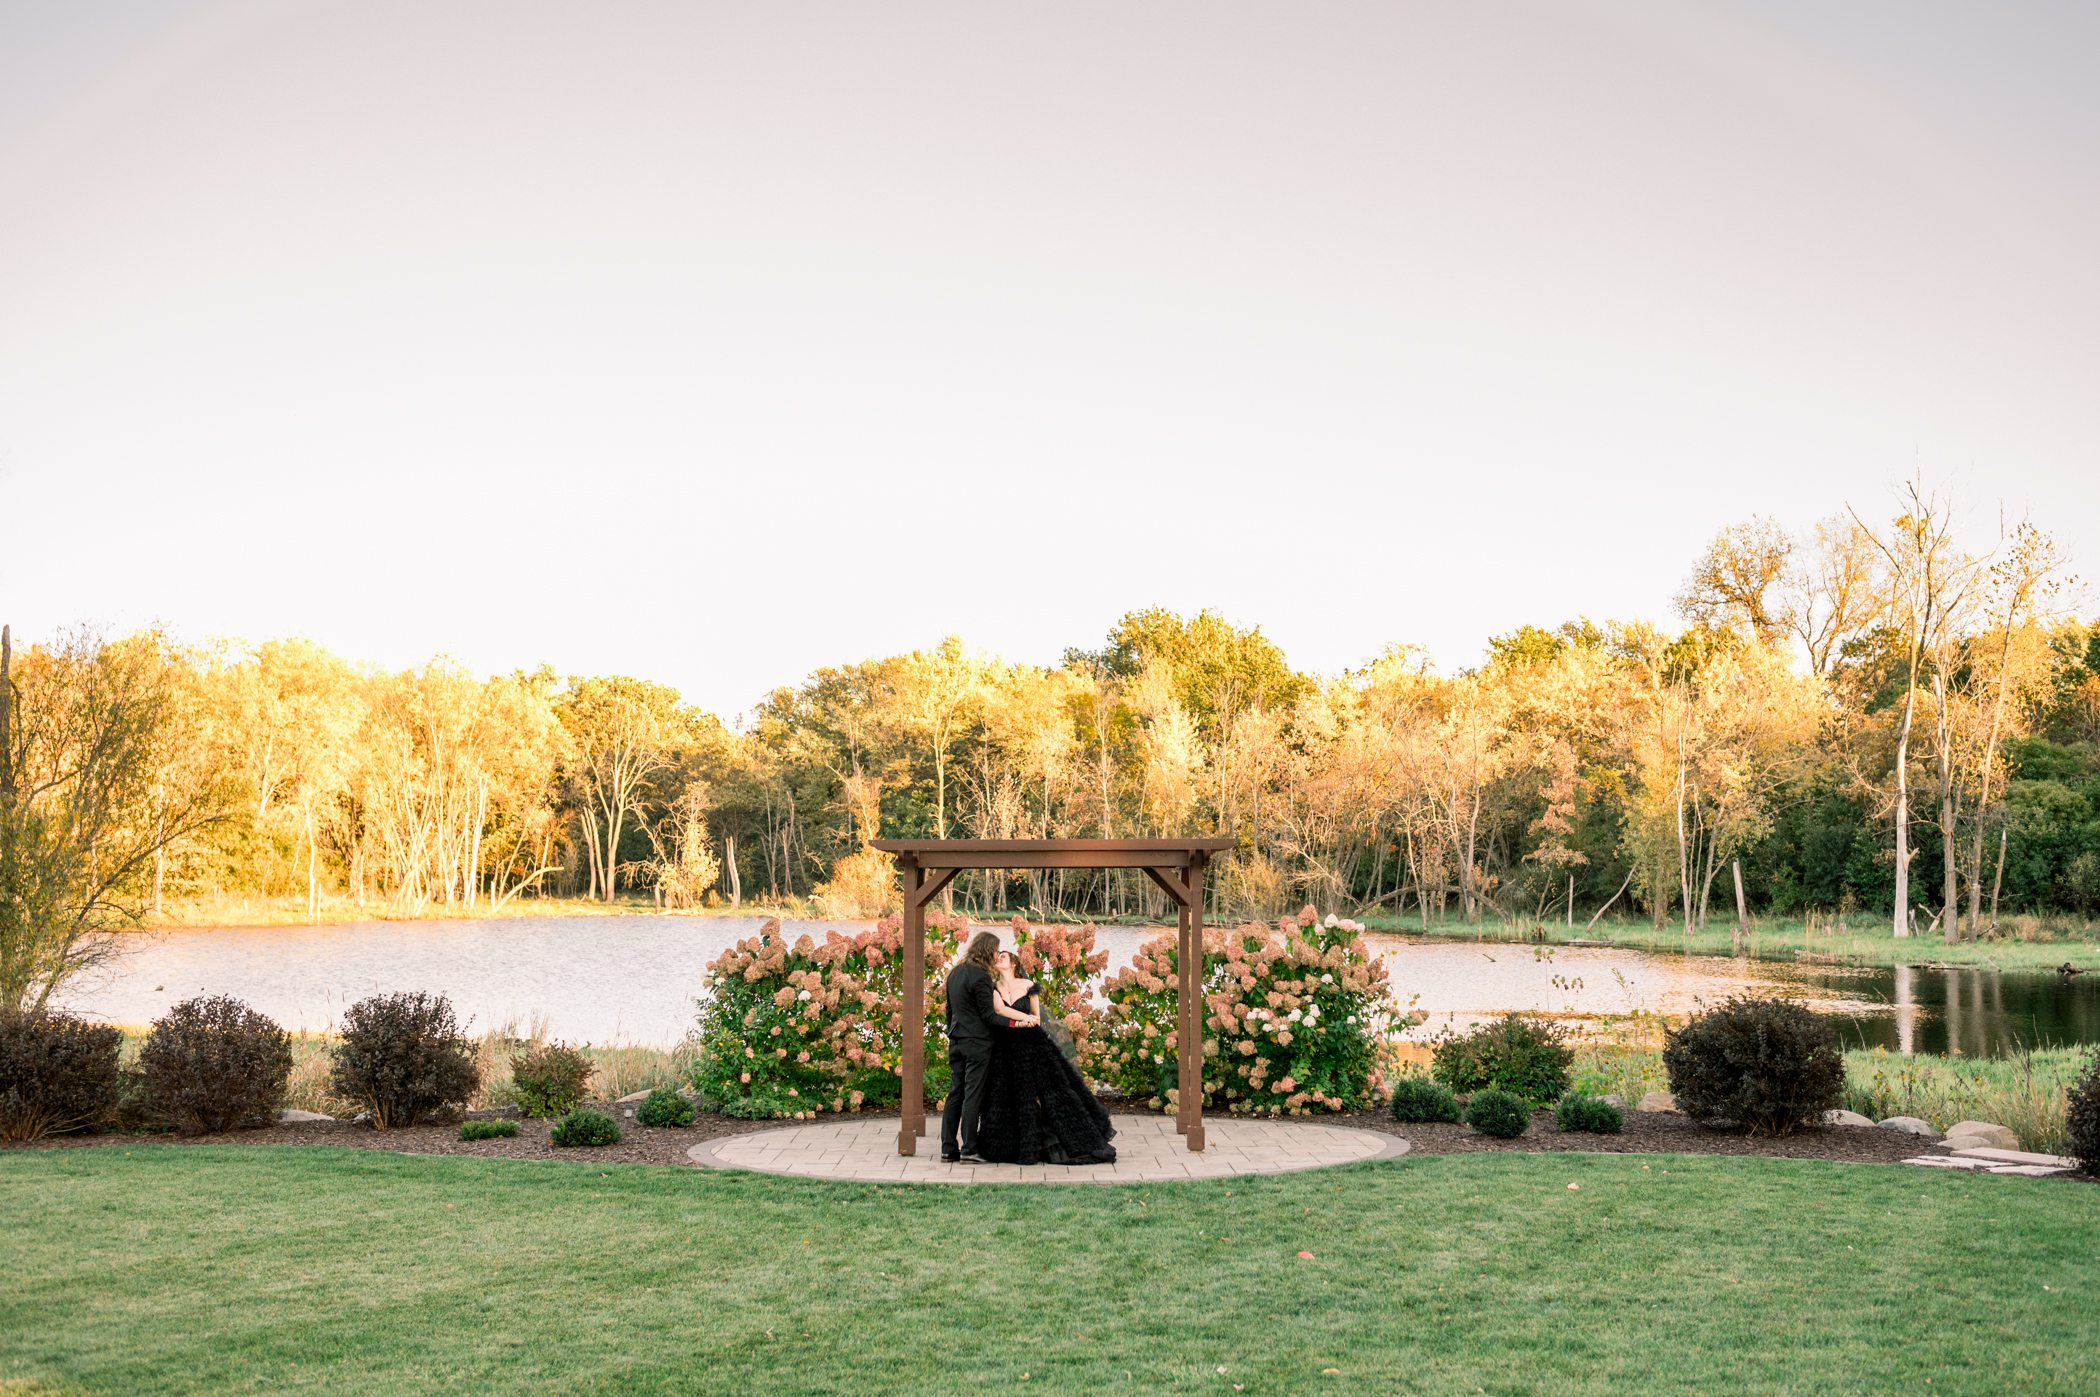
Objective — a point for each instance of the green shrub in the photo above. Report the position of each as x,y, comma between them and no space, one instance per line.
1593,1114
2082,1119
1500,1113
214,1064
1527,1056
550,1080
586,1127
57,1073
488,1130
665,1107
1418,1098
1767,1064
402,1058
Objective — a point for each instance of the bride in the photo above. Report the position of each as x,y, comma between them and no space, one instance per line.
1037,1109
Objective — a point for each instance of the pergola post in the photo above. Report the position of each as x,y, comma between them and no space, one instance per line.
912,1105
1185,1099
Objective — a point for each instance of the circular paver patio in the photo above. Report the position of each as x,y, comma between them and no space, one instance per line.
1148,1150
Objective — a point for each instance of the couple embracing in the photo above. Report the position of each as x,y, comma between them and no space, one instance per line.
1013,1097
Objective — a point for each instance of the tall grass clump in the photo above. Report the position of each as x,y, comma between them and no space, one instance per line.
2024,1091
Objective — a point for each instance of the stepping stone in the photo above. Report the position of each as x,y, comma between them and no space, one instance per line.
1846,1118
1986,1132
1940,1161
1997,1156
1909,1124
2032,1171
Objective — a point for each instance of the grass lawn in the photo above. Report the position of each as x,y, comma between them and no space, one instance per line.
2036,944
159,1268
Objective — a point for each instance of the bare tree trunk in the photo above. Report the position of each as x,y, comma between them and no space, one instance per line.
1626,883
736,881
1742,913
1998,877
1684,865
1901,915
1950,801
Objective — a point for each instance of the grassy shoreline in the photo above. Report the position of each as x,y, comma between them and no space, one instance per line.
212,1267
2024,943
217,913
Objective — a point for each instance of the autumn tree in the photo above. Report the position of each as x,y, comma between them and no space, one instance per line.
85,729
1927,581
623,733
1738,580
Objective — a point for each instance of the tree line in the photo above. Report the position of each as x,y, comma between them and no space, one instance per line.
1871,715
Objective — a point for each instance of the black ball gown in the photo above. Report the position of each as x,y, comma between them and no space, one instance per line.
1037,1109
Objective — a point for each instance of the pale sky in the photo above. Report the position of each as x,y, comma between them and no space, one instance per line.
714,343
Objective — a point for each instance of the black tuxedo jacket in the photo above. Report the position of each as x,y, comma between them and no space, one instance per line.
971,1018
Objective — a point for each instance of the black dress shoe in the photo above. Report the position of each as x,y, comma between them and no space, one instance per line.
971,1159
947,1158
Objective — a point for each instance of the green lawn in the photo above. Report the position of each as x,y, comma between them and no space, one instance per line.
2034,945
164,1267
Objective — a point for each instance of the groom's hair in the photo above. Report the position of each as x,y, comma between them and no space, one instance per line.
984,947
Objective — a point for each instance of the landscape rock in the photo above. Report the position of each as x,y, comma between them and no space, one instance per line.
1909,1124
1988,1134
631,1098
291,1117
1613,1098
1658,1101
1846,1118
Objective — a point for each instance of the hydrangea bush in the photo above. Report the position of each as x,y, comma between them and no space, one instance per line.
1297,1019
793,1031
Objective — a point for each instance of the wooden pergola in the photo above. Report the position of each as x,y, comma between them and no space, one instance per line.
1176,865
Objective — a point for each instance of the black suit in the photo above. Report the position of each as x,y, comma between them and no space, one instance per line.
971,1023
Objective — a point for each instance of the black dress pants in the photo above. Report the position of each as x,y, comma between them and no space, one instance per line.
968,1065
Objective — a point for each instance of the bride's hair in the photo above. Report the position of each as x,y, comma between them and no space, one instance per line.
984,948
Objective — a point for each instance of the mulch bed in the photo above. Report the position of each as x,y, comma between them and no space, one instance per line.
1654,1132
639,1144
1645,1132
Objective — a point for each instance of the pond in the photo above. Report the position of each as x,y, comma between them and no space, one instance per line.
633,979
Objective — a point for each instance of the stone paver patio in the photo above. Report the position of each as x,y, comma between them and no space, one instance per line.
1148,1150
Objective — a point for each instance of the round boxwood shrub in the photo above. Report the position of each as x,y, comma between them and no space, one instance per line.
1527,1056
57,1073
665,1107
1579,1111
488,1130
586,1127
1417,1098
2082,1120
1500,1113
1769,1065
402,1058
550,1079
215,1064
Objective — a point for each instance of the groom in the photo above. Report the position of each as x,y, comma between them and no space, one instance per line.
971,1024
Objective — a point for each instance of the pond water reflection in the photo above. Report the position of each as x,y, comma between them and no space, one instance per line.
633,979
